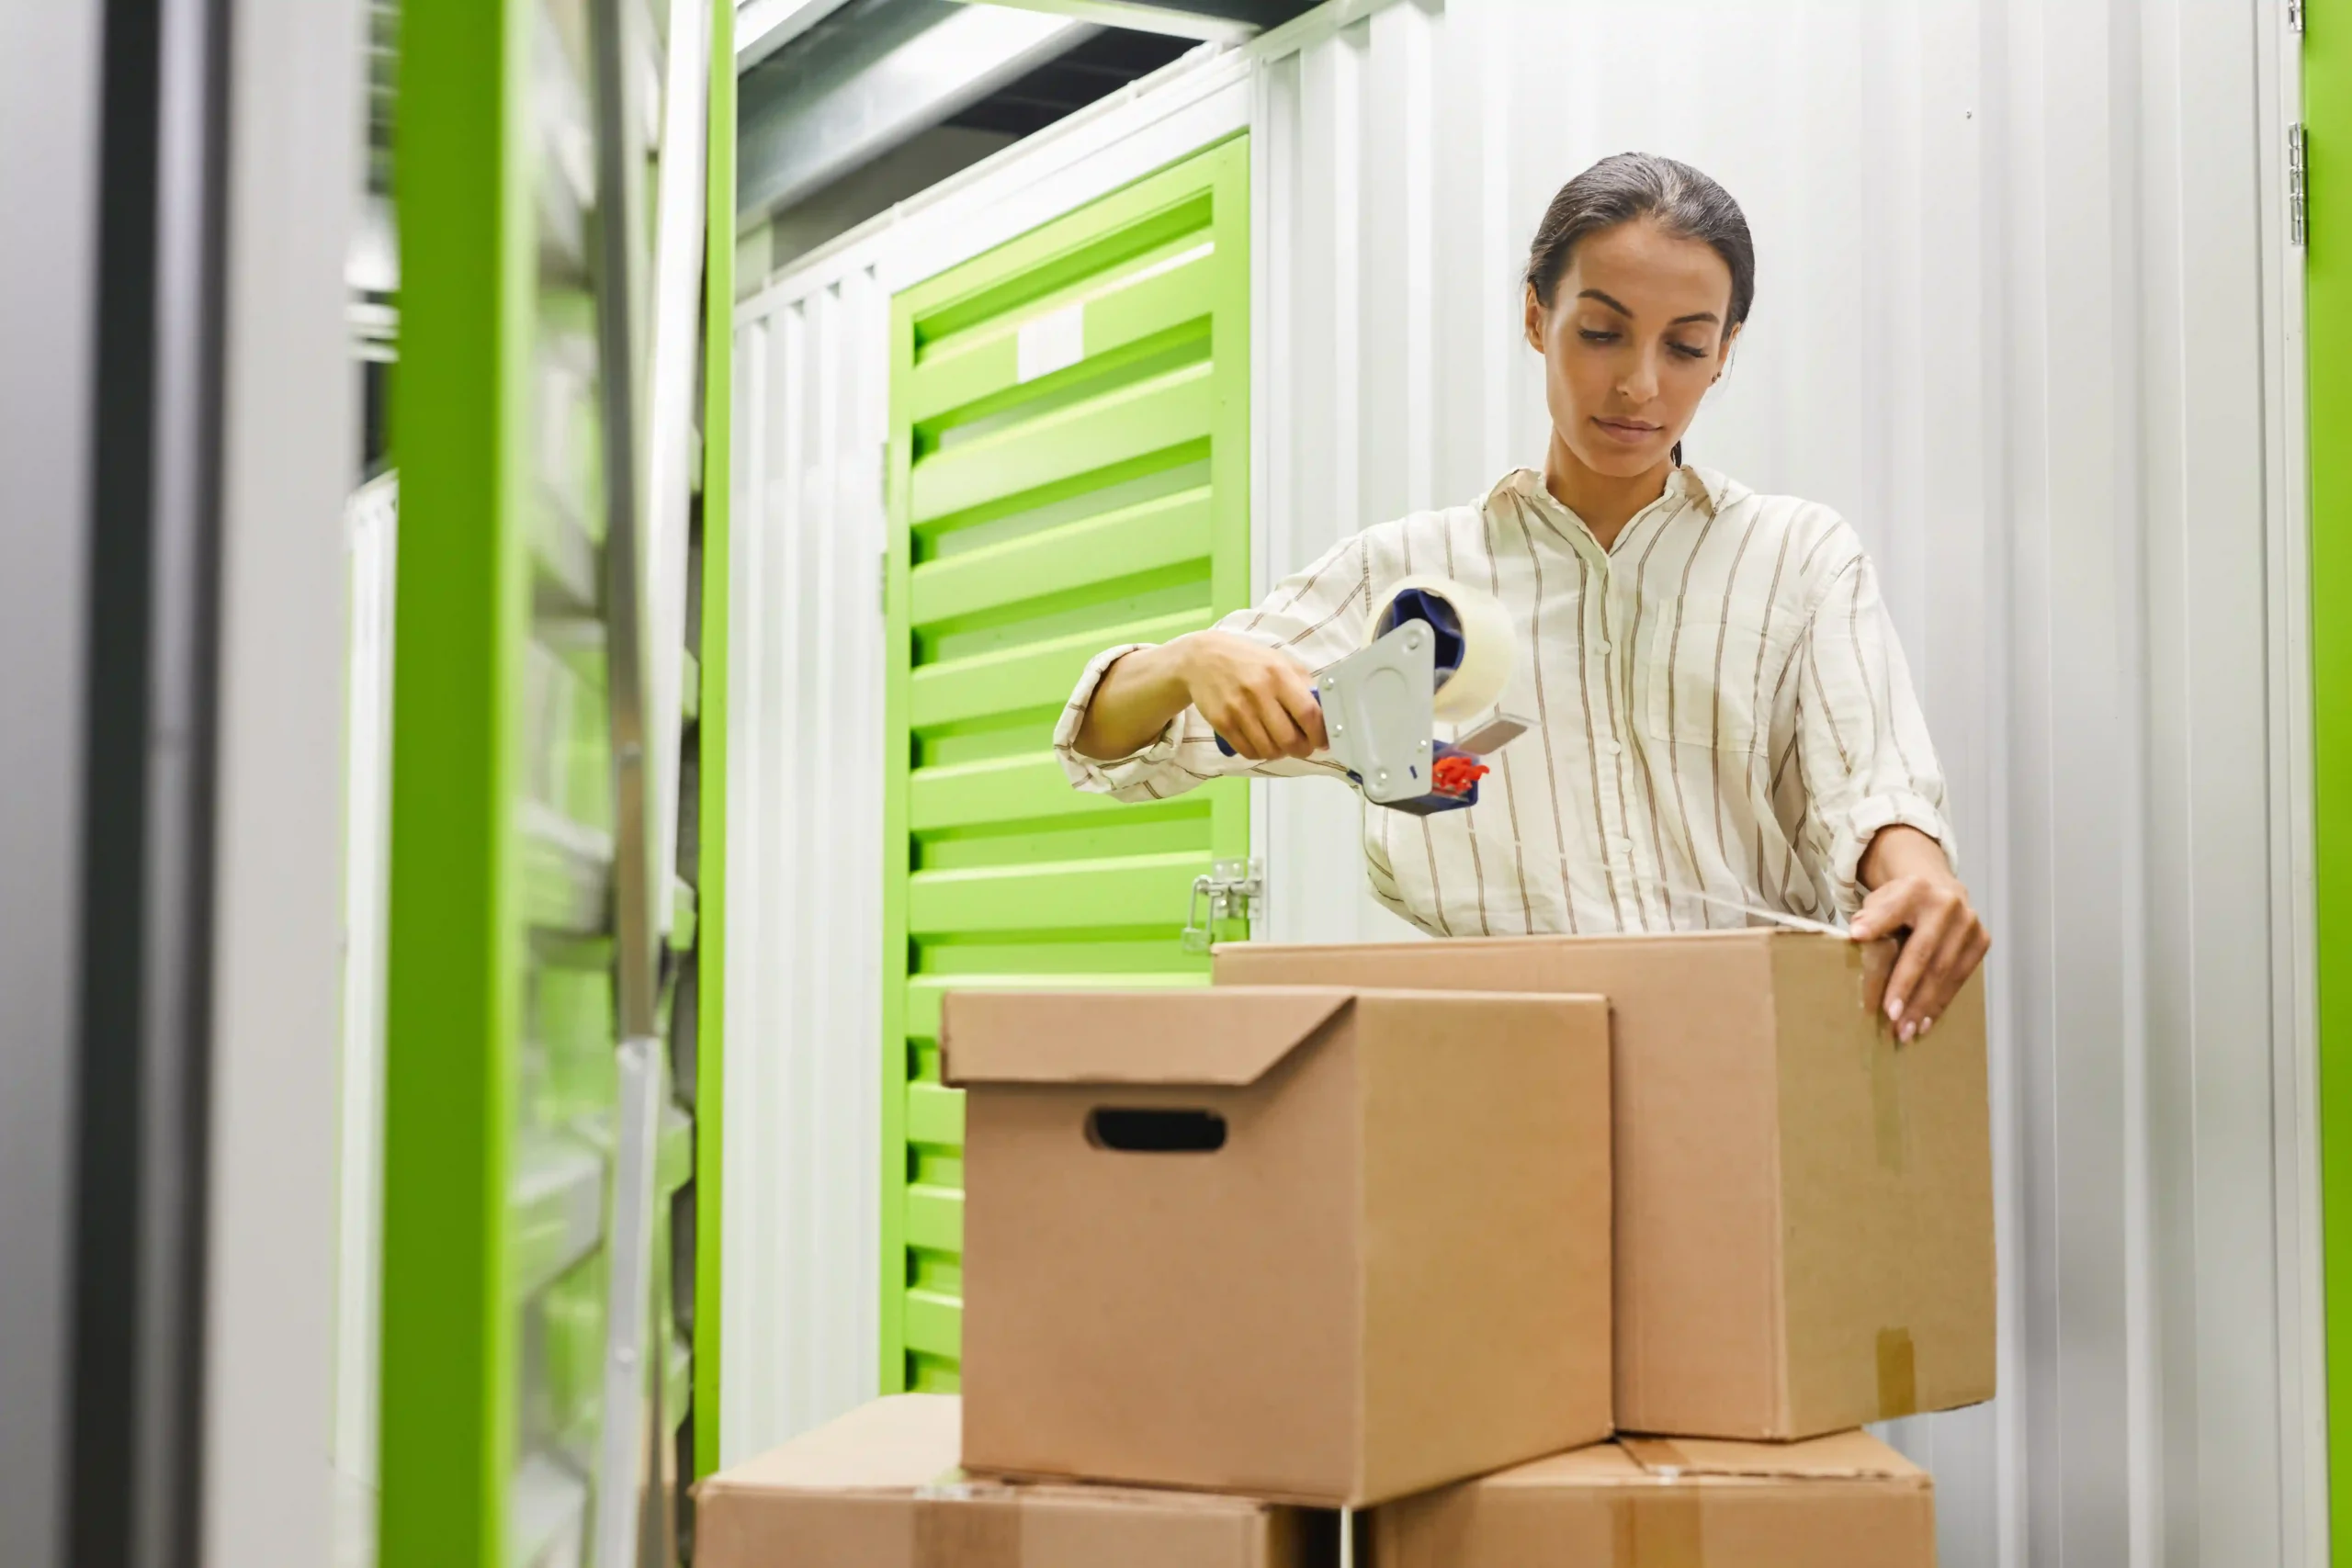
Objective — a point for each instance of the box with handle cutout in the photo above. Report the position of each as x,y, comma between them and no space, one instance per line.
1311,1245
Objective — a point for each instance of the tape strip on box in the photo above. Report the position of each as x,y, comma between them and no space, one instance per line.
1658,1528
1898,1374
964,1524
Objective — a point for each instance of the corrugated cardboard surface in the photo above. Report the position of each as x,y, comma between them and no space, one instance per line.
879,1489
1804,1216
1841,1502
1392,1275
1886,1185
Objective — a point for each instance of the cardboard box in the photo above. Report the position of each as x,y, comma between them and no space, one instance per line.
1805,1207
879,1489
1846,1501
1308,1244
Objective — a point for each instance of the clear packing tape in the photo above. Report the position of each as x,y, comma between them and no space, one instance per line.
963,1523
1554,878
1489,645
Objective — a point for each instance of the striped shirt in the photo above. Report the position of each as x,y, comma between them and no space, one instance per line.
1721,715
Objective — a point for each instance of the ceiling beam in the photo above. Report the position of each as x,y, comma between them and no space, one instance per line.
762,26
810,115
1137,16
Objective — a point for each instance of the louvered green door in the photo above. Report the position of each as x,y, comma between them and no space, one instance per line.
1070,470
540,1151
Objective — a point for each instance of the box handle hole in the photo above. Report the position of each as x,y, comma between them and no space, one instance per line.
1156,1132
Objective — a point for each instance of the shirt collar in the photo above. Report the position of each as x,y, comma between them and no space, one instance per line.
1704,486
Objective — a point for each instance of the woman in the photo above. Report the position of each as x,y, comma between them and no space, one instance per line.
1723,716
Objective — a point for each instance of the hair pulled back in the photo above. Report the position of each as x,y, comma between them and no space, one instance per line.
1673,195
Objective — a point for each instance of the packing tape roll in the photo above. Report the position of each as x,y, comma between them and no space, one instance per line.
967,1525
1658,1527
1898,1374
1489,644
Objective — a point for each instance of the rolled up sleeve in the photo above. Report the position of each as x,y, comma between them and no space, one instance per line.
1867,755
1306,616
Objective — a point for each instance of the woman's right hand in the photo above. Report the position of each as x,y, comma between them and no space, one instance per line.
1259,698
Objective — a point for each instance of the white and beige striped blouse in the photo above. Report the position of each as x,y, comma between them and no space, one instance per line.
1722,715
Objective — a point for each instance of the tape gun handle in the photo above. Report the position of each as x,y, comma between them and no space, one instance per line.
1226,747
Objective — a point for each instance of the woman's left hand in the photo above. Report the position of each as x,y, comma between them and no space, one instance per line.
1915,897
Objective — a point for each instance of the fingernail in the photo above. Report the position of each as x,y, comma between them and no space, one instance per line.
1893,1009
1925,1026
1910,1031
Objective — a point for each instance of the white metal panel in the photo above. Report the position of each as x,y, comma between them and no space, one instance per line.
802,1286
803,1101
2010,321
672,382
371,535
288,447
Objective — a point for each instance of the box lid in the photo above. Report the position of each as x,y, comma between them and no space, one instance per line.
1229,1036
899,1443
879,1488
908,1445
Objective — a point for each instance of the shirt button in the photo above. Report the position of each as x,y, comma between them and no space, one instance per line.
1608,746
1605,646
1619,844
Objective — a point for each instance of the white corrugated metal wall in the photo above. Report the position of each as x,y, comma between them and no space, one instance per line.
2019,262
2010,321
802,1283
803,1097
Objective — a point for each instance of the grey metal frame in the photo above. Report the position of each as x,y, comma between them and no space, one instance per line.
48,167
175,442
632,1515
149,783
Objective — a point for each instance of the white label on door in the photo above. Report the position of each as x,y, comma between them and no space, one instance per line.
1053,342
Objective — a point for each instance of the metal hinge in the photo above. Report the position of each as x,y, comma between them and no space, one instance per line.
1234,888
2298,186
2295,15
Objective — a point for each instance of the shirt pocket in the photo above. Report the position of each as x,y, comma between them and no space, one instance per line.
1708,670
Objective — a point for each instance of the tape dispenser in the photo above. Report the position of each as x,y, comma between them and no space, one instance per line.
1434,650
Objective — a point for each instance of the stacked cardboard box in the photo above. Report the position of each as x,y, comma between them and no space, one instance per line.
1804,1204
1415,1229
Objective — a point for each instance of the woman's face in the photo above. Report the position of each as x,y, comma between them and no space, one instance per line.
1632,340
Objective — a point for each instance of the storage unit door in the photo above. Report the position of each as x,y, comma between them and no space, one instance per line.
1069,470
537,1132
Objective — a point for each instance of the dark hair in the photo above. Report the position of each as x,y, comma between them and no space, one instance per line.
1618,189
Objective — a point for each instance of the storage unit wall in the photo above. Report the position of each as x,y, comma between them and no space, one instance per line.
802,1303
2024,285
2029,314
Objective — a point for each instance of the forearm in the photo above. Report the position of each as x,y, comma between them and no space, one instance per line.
1137,698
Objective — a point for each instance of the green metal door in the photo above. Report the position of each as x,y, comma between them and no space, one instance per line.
1069,470
541,1048
2327,131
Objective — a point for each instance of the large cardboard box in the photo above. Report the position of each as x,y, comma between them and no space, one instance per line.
879,1488
1846,1501
1804,1206
1308,1244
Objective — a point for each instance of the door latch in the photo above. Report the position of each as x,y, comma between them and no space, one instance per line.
1233,888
